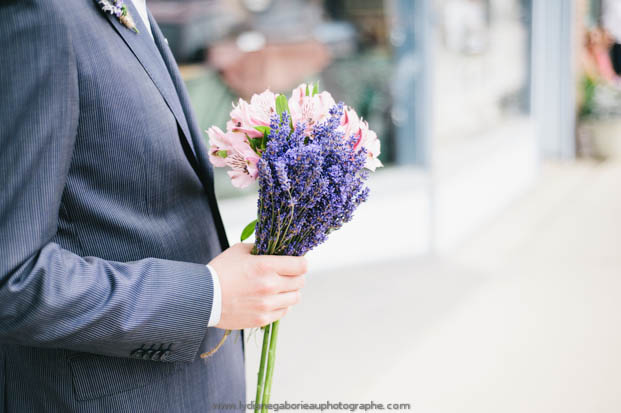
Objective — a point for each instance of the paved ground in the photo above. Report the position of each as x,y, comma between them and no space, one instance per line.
524,318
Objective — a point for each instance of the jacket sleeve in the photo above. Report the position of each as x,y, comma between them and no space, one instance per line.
49,296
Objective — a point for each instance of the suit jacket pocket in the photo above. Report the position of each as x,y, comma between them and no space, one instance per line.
96,376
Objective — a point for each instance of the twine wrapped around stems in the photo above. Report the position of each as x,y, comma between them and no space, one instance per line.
217,347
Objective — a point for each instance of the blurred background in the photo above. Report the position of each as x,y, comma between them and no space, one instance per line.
483,273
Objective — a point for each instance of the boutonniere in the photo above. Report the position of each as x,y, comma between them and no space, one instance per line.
119,9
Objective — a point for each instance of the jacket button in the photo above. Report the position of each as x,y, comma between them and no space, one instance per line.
156,355
137,353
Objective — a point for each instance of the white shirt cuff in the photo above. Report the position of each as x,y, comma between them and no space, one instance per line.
216,306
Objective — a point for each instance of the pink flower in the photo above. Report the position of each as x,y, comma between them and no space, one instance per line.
219,146
307,109
371,143
240,179
365,138
245,116
232,149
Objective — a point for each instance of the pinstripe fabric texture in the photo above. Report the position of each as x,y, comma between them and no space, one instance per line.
107,217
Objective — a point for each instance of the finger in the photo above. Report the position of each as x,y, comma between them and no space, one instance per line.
277,315
284,300
289,283
284,265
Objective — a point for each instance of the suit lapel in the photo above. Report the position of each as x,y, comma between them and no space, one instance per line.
149,57
195,136
171,65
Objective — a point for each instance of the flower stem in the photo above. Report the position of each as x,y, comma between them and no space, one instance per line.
261,374
270,366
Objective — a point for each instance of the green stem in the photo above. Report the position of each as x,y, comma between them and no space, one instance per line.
261,375
284,233
271,227
267,390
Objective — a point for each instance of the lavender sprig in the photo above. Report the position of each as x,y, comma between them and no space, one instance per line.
119,9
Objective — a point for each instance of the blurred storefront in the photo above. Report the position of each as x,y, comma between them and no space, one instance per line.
599,80
466,95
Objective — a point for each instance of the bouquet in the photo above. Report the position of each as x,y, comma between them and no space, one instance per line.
310,157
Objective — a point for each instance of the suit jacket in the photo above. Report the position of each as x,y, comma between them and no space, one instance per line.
107,219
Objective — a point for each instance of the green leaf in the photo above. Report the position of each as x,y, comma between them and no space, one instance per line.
282,105
254,143
316,88
261,143
265,130
307,90
222,154
249,230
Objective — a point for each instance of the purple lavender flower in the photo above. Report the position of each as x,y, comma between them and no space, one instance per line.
307,188
119,9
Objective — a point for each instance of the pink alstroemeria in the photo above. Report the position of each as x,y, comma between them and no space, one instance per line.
308,109
232,149
219,146
242,160
365,138
246,116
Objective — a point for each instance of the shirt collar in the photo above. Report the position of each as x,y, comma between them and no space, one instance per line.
141,6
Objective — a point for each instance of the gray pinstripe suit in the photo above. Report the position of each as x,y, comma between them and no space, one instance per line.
107,217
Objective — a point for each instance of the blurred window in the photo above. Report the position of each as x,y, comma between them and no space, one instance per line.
234,48
481,67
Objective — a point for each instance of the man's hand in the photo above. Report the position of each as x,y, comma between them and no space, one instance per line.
256,289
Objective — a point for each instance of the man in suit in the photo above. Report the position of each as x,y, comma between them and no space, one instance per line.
108,220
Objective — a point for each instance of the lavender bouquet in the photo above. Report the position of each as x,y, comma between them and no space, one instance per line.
311,158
